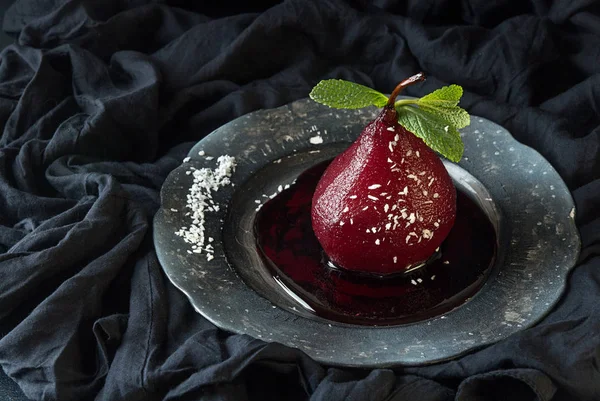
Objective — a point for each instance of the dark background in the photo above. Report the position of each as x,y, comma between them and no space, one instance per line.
9,390
101,100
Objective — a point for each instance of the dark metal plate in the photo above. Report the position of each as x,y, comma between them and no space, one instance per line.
525,198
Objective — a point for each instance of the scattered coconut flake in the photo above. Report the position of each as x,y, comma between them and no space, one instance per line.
315,140
374,186
187,159
199,200
201,153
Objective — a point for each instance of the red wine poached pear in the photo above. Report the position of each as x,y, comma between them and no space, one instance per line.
386,203
291,251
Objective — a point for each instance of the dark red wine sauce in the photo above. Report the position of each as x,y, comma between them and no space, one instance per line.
289,247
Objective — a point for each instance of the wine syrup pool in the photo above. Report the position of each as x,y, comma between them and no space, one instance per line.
289,248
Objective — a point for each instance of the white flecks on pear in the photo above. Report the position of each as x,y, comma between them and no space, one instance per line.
199,200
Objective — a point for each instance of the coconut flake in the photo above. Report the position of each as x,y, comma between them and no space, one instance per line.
316,140
199,200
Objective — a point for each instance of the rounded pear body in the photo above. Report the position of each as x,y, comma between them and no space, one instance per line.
385,204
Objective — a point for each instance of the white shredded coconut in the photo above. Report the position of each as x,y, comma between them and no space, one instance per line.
315,140
199,200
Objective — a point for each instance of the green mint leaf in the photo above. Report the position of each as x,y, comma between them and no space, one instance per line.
342,94
456,116
446,96
443,102
435,118
435,131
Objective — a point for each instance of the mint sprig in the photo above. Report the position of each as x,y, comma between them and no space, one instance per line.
435,118
342,94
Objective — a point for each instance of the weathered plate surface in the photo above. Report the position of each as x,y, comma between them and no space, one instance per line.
524,196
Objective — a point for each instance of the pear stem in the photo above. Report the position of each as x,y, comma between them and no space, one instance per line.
407,82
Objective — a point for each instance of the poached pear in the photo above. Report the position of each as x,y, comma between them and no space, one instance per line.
386,203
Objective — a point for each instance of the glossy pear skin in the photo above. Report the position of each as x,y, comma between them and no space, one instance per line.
386,203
